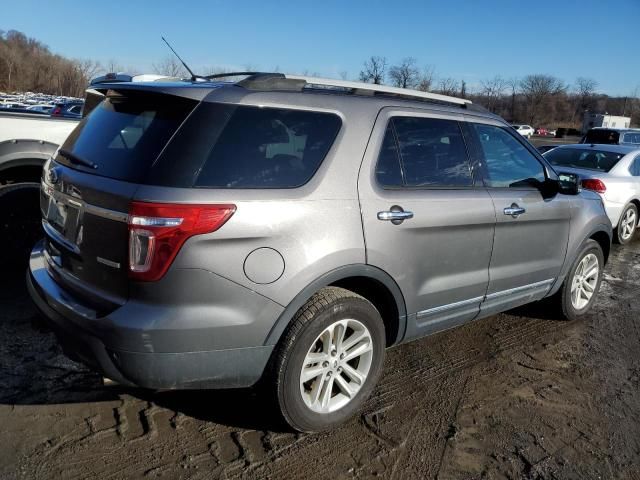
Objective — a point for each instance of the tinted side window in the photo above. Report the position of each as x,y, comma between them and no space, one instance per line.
632,137
432,152
635,167
507,162
266,147
388,171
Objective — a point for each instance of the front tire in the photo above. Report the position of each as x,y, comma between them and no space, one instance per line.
329,360
580,287
627,224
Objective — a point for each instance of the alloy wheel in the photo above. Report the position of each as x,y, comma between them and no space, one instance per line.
585,280
336,366
628,224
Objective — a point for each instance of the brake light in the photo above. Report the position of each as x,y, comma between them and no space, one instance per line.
594,184
157,231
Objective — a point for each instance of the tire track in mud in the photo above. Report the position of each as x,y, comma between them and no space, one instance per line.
414,422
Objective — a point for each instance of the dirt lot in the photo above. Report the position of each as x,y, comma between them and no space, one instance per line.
519,395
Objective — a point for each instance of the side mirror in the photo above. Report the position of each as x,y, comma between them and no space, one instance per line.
569,183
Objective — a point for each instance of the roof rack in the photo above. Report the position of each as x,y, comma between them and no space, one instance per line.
272,81
372,88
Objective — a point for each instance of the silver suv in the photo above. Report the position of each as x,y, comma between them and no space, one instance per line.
209,234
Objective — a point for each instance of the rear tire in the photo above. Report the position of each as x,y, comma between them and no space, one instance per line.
627,224
20,222
580,288
337,343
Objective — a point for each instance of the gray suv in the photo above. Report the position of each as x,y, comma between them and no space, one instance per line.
210,234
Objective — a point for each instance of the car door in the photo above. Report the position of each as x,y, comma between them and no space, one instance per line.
532,224
425,221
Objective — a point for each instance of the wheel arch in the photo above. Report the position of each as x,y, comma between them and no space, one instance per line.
372,283
22,160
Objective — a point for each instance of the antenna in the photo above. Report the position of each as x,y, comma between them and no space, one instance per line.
193,75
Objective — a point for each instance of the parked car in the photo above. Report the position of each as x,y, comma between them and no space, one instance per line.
613,172
41,108
68,110
541,131
524,130
612,136
208,234
27,139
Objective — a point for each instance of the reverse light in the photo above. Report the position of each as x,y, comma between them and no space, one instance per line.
594,184
157,231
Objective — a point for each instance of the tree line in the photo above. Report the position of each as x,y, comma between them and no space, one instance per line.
540,100
537,99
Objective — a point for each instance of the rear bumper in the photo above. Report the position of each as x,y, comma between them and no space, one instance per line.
154,347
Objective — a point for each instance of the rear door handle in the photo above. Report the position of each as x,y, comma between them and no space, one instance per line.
395,215
514,210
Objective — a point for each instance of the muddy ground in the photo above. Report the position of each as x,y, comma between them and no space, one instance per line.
518,395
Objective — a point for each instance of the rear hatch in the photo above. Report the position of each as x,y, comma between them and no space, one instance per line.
89,184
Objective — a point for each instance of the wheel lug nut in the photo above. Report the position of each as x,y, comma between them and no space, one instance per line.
339,369
341,356
325,364
333,353
329,374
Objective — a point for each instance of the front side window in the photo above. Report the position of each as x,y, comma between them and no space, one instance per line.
508,163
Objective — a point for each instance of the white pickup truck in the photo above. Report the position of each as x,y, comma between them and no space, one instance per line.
27,140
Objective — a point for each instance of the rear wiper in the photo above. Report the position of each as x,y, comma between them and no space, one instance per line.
76,159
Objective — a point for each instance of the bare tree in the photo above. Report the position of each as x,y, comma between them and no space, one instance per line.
493,90
426,79
448,86
537,90
171,67
113,66
405,74
514,85
374,70
585,89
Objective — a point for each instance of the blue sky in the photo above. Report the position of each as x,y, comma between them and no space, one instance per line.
470,40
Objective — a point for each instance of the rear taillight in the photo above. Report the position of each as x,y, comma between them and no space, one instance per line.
157,231
594,184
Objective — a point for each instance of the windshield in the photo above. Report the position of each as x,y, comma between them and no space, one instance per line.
583,158
607,137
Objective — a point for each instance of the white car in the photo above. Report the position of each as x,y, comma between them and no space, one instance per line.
613,171
524,130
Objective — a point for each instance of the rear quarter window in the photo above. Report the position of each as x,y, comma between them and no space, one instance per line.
268,148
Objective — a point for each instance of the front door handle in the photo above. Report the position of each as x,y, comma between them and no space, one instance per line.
395,215
514,210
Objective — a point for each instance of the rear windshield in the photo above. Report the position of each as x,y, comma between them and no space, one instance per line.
610,137
233,146
169,143
583,158
122,137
